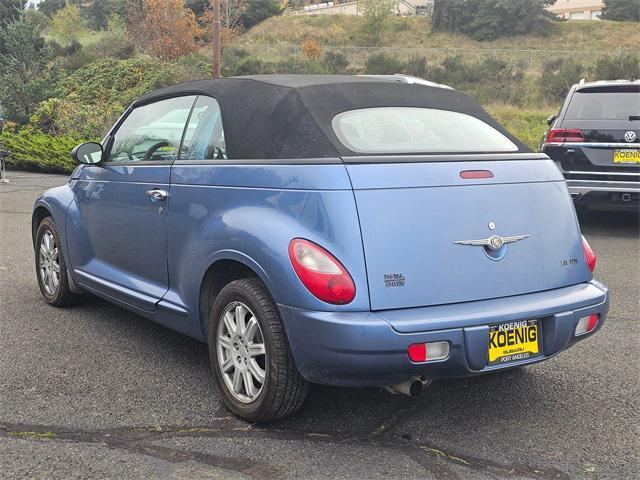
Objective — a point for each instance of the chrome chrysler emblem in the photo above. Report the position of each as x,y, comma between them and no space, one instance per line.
630,136
494,242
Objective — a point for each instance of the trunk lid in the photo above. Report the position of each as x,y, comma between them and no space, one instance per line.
412,213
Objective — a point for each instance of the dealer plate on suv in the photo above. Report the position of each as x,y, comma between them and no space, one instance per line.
513,341
628,155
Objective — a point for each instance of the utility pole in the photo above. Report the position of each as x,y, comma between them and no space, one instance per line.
216,39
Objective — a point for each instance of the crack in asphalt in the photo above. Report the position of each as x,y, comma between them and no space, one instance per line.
15,212
435,460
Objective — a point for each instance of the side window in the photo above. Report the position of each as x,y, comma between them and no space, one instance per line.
152,132
204,139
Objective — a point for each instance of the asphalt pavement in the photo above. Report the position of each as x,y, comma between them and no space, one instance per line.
94,391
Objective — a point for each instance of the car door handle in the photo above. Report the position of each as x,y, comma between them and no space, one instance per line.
157,195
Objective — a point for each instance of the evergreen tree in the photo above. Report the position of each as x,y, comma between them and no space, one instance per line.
490,19
24,59
621,10
259,10
50,7
10,10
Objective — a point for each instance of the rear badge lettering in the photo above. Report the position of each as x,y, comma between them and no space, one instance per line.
569,261
394,280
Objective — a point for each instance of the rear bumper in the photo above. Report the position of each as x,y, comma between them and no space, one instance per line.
369,348
610,195
581,187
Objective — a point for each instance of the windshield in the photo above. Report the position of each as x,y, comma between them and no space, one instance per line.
605,103
411,130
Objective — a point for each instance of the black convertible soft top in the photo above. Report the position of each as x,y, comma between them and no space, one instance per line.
289,116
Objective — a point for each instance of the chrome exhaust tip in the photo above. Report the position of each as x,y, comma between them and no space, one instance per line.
412,387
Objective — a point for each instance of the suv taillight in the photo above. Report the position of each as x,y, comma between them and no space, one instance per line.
589,255
322,274
565,135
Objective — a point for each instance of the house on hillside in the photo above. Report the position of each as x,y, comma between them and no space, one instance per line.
577,9
355,7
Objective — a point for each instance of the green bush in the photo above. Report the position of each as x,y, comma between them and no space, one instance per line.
120,81
93,97
382,64
34,150
616,67
335,62
490,80
416,66
558,75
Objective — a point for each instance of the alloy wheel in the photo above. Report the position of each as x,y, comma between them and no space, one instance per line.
241,352
49,263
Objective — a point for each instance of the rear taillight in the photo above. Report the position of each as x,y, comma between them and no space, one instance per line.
565,135
322,274
589,255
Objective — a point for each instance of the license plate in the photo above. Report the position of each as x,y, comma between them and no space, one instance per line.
513,341
627,155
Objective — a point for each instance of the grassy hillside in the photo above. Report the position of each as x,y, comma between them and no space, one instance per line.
604,36
343,34
527,125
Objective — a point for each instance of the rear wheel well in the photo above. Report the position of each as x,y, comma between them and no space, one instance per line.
217,276
39,214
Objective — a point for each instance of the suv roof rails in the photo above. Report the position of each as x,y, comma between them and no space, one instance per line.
607,82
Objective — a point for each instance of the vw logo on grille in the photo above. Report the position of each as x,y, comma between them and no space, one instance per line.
630,136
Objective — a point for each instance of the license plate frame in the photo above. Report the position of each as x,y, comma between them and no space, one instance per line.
630,156
508,347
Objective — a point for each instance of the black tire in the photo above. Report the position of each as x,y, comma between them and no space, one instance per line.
284,390
61,296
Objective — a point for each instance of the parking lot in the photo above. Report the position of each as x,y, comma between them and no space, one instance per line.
96,391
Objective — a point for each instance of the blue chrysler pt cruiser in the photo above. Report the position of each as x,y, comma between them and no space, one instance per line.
343,230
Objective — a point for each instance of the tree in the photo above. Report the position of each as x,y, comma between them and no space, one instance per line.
230,16
10,10
491,19
24,63
621,10
231,12
199,7
50,7
311,49
99,11
164,27
68,24
259,10
376,15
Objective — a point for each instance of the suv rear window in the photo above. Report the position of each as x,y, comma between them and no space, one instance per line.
604,103
412,130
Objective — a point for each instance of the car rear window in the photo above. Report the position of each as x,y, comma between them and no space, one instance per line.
412,130
604,103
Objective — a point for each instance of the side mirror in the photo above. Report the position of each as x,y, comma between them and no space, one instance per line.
551,119
89,153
